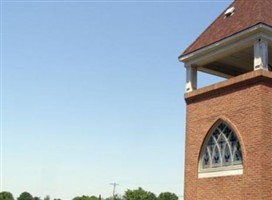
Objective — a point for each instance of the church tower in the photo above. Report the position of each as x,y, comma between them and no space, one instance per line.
229,124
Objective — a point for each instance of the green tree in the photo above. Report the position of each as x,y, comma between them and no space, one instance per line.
86,198
116,197
25,196
167,196
139,194
47,197
6,196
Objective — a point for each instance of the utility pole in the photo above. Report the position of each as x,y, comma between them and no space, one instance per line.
114,186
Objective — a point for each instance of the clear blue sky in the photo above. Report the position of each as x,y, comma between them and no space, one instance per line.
93,94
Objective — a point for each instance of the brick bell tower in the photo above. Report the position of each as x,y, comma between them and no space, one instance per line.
229,124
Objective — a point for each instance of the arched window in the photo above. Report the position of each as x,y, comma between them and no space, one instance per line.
221,152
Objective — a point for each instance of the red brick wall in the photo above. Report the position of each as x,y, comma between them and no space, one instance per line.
245,102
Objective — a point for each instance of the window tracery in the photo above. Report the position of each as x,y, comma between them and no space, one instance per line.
221,149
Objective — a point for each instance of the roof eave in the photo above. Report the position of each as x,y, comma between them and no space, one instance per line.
258,28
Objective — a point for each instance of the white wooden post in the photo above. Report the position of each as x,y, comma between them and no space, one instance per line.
191,78
261,54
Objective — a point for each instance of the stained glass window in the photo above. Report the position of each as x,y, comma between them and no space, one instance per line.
221,148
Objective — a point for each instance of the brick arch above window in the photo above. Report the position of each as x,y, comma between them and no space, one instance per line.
221,153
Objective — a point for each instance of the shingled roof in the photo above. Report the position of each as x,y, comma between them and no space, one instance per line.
247,14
